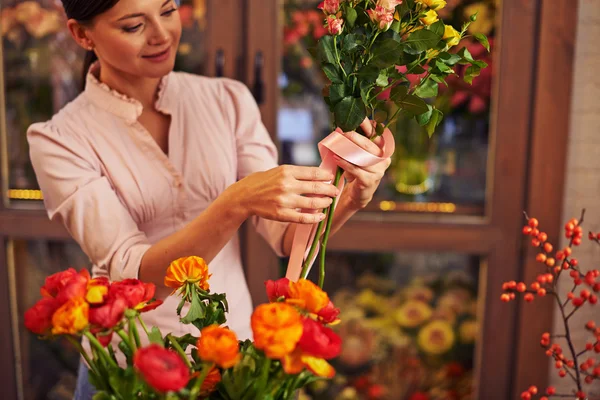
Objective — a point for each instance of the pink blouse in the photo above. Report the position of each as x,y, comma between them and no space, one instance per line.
105,178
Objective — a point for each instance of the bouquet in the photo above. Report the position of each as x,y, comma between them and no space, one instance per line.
575,364
291,346
383,58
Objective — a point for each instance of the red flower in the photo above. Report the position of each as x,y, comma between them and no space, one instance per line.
162,369
55,282
318,340
329,314
278,288
74,287
419,396
134,291
38,319
108,314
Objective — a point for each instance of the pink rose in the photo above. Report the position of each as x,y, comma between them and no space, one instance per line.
330,6
334,25
389,4
382,17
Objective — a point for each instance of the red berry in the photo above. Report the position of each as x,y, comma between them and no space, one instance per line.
535,286
557,270
574,262
535,242
591,325
567,251
533,389
541,258
505,298
549,278
533,222
521,287
528,297
512,296
589,379
559,364
577,281
581,395
560,255
542,237
577,302
593,299
562,373
591,236
577,241
526,396
512,284
570,363
527,230
550,262
589,346
596,287
569,226
574,274
548,248
541,292
550,390
597,348
570,296
546,335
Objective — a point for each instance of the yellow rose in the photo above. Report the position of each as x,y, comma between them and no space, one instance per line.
436,338
434,4
430,17
451,35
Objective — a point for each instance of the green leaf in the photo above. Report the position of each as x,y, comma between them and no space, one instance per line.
381,116
398,93
337,92
448,58
413,104
438,28
155,336
102,396
351,43
395,26
382,79
387,53
436,118
333,72
422,40
351,16
443,67
326,50
480,64
349,113
427,88
481,38
471,72
369,74
465,55
196,311
424,118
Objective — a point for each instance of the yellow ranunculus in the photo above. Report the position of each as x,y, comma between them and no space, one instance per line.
71,317
451,35
413,313
436,338
187,270
430,17
434,4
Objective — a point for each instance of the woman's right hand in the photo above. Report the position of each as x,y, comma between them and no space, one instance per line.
287,193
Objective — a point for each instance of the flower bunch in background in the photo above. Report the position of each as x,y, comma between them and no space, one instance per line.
577,365
127,360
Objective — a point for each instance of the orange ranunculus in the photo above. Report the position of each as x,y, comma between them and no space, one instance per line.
97,289
219,345
71,317
38,319
210,382
188,269
277,328
305,294
296,361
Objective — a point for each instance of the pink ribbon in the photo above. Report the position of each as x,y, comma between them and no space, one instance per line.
334,144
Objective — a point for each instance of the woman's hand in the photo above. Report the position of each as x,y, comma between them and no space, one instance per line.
287,193
363,182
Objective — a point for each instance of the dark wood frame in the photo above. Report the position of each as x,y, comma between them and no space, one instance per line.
531,122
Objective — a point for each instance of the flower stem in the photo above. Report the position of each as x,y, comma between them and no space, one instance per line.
81,350
136,335
265,376
198,384
125,338
96,344
144,327
338,175
313,248
178,348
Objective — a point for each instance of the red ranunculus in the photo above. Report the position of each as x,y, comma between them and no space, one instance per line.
278,288
318,340
108,314
74,287
329,314
163,369
134,291
55,282
38,319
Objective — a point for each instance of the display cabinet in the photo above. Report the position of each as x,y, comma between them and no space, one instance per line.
418,273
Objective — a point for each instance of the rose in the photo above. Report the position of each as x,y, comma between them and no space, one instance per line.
389,4
219,345
305,294
278,288
276,327
318,340
335,25
330,6
430,17
38,319
188,270
161,368
382,17
451,35
71,318
435,4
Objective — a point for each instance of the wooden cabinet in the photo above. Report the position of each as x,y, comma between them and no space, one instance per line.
449,212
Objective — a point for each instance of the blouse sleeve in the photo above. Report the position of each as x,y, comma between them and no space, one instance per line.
78,196
255,151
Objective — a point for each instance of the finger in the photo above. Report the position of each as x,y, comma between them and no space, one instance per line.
299,217
367,127
371,169
363,142
316,188
308,173
352,170
312,203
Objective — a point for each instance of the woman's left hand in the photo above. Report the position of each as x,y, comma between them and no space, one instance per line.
363,181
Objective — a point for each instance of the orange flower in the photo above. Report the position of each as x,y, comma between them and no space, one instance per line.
305,294
71,317
210,382
188,270
277,328
295,362
219,345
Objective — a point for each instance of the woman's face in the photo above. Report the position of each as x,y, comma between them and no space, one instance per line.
137,37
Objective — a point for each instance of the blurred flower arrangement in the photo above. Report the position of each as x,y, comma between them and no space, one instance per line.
577,365
292,340
29,18
404,343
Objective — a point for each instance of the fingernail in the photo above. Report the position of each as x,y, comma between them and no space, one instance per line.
321,217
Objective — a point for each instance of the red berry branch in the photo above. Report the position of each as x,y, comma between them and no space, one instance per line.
572,363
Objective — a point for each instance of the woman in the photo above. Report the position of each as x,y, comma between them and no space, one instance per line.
148,165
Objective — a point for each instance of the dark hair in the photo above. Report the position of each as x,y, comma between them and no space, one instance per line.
83,11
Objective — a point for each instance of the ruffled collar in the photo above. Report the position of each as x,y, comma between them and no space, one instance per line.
117,103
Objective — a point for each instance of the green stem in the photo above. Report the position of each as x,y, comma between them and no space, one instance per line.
313,248
144,327
81,350
132,341
337,56
125,338
265,376
179,349
338,176
96,344
136,335
198,384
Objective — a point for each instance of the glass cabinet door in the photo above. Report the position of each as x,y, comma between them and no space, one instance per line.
445,174
42,71
409,325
